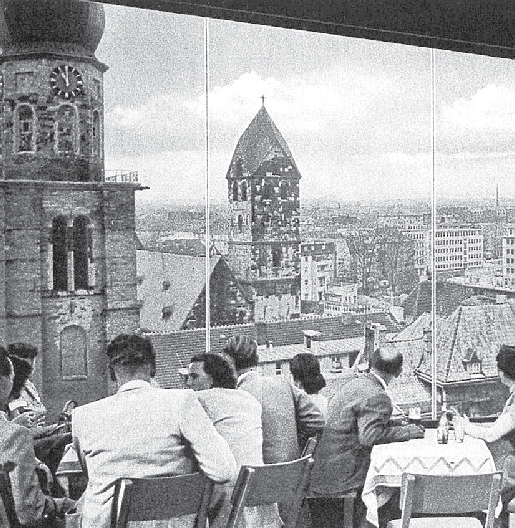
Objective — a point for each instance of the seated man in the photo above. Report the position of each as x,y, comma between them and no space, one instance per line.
358,418
32,506
142,431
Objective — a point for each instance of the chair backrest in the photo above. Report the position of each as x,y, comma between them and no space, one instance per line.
271,483
311,445
8,513
433,494
161,498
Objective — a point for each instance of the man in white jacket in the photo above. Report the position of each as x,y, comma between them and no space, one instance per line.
142,431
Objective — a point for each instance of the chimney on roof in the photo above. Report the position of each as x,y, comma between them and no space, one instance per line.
374,338
428,340
261,332
269,344
311,340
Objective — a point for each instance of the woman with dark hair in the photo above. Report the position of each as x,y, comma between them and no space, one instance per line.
32,506
305,370
503,427
236,415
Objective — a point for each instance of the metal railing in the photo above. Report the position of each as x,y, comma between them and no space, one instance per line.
121,176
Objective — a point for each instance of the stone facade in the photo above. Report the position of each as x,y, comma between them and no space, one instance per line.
68,248
264,246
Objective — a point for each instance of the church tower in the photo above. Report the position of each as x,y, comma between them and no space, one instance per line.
67,254
264,247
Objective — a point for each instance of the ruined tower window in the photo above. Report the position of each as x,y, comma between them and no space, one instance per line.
95,134
60,254
80,252
65,129
268,190
234,191
25,128
240,224
277,255
284,190
244,191
74,364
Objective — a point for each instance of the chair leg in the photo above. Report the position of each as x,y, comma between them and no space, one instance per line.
348,511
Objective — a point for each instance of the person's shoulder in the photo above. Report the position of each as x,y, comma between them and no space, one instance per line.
10,431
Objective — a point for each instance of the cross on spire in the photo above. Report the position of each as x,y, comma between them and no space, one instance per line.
262,100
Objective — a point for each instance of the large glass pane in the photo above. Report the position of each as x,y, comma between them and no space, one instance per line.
473,249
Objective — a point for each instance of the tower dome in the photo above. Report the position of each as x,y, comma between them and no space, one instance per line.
69,24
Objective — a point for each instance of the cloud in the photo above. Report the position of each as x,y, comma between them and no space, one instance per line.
490,108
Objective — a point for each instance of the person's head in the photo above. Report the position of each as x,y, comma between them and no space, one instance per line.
242,351
206,371
506,363
22,371
6,377
387,363
305,370
23,351
131,357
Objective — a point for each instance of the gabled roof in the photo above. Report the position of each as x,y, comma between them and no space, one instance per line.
481,329
260,142
170,281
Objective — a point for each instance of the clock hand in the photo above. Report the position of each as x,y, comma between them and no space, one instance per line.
64,75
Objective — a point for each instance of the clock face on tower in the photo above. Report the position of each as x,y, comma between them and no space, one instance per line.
66,81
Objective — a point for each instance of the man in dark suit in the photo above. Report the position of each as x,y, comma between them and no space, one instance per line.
288,414
358,419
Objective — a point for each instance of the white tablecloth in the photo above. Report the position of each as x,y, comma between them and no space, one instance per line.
389,461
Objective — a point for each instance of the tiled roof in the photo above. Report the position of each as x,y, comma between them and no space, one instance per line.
343,327
171,281
331,347
448,297
471,328
258,143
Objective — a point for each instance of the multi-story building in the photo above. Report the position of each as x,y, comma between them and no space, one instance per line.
458,247
264,244
318,269
508,257
67,234
341,298
417,228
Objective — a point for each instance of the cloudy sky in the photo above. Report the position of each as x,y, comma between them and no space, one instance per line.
356,114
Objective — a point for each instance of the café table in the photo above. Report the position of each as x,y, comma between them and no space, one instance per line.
425,455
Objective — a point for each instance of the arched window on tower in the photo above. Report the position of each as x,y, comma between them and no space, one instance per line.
284,190
60,254
65,125
243,191
268,190
235,191
240,224
26,125
74,353
80,252
95,133
277,255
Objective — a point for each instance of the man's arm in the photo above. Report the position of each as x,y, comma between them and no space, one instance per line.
373,423
211,451
310,419
30,502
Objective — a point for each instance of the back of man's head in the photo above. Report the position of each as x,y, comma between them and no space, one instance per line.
386,361
243,352
131,352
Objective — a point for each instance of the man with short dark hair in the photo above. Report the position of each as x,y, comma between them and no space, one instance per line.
358,418
287,411
142,431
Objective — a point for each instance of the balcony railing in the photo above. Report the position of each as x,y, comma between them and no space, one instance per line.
121,176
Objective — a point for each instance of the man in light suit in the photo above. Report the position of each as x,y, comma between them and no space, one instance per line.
358,418
288,413
142,431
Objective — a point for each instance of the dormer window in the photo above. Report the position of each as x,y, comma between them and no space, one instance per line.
166,285
472,362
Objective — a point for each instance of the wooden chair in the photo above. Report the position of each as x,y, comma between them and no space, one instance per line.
452,496
161,498
7,509
284,482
